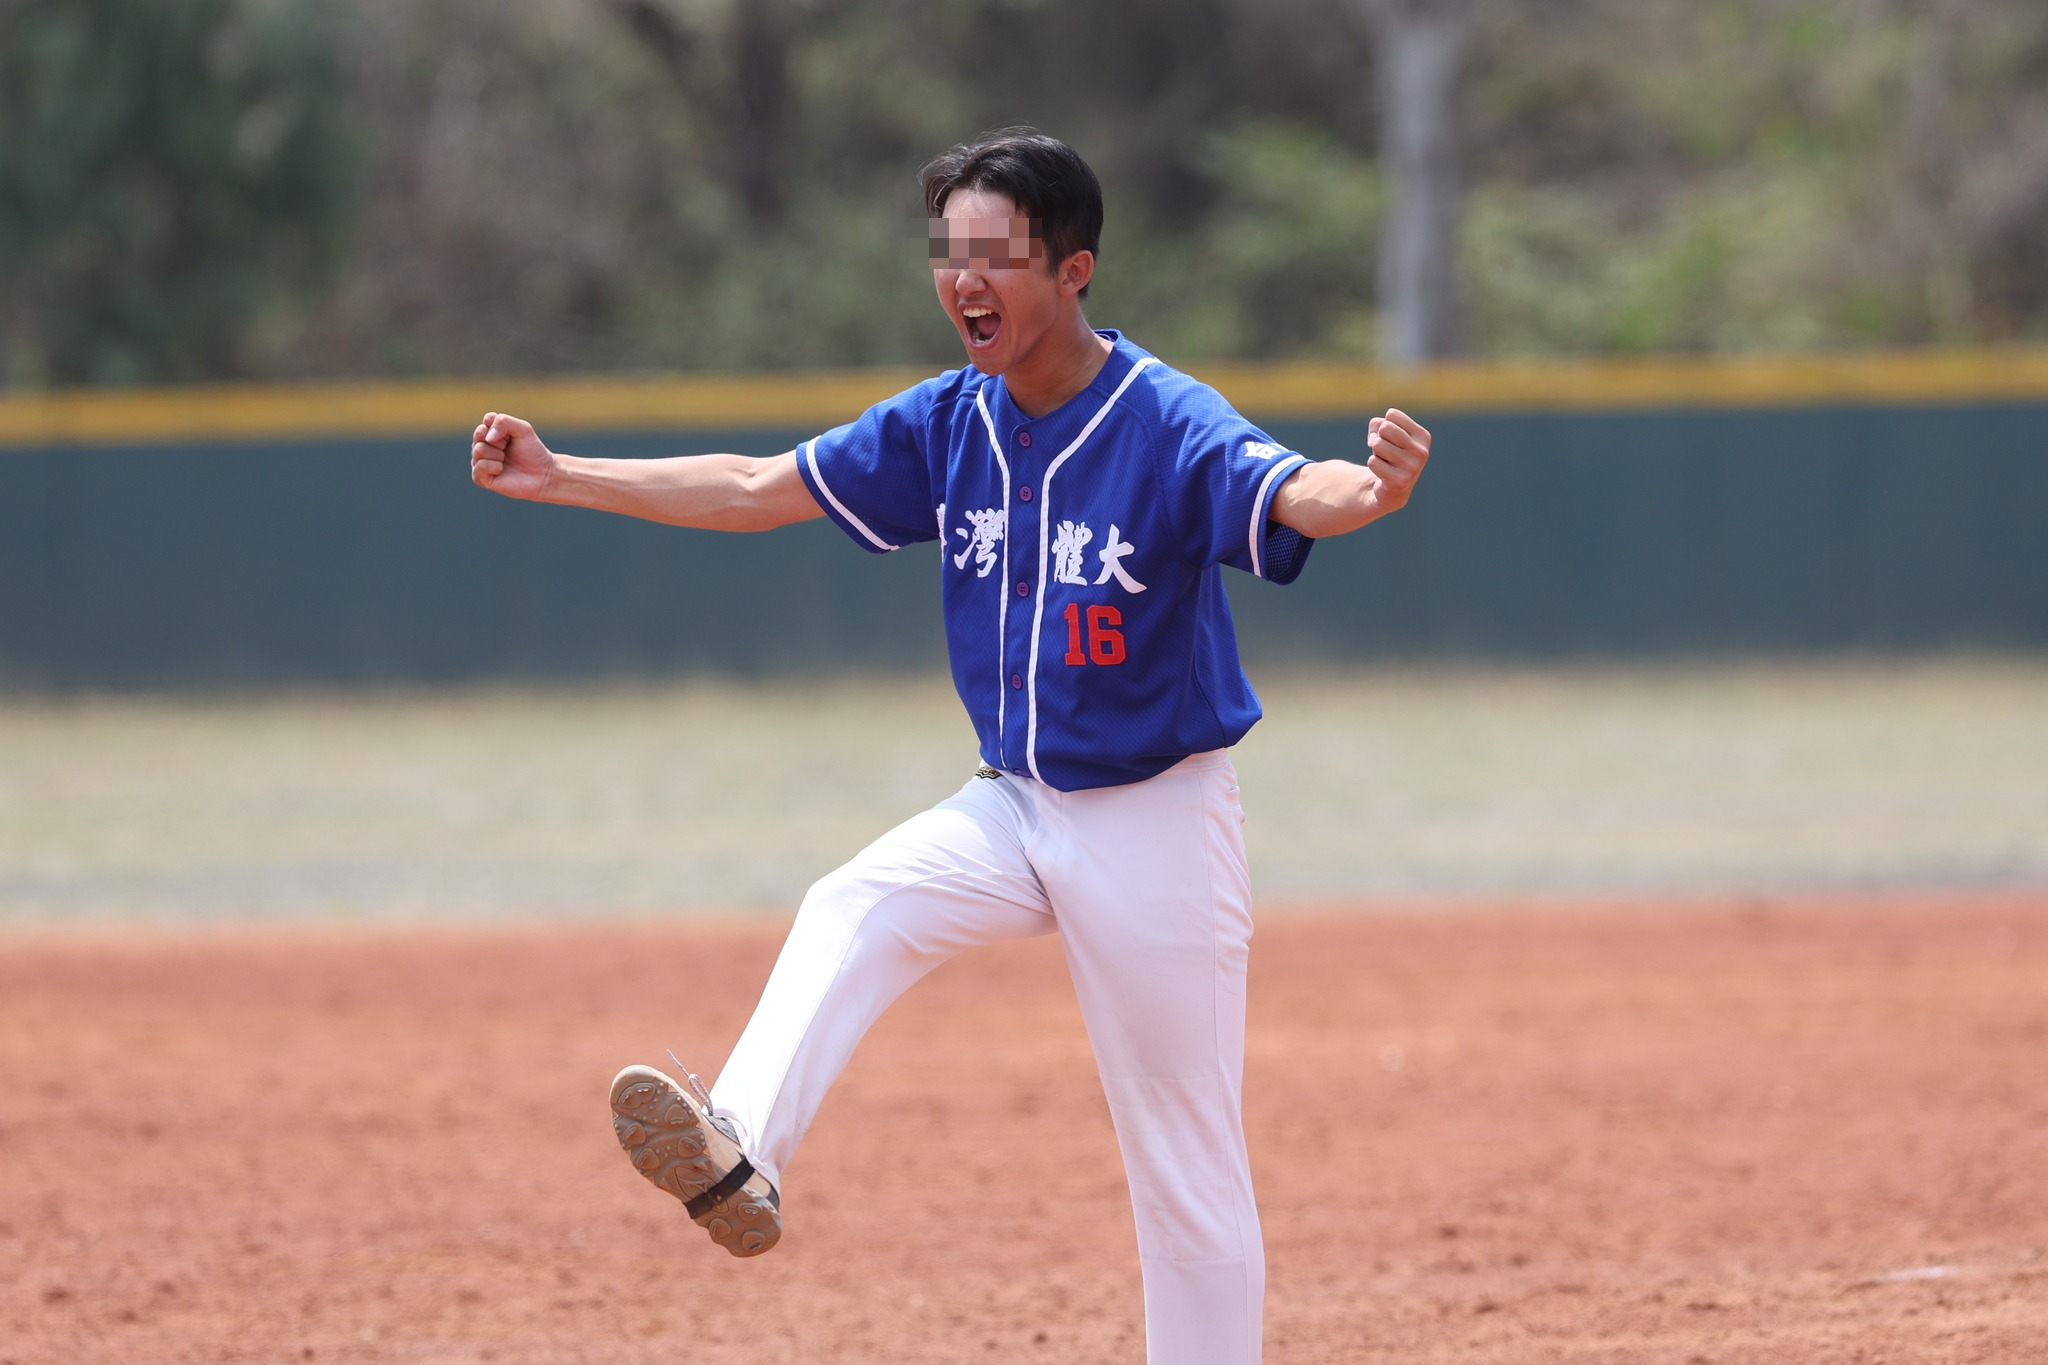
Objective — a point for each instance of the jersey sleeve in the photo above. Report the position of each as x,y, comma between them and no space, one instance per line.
873,475
1225,474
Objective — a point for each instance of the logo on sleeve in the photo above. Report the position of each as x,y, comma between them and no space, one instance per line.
1262,450
988,525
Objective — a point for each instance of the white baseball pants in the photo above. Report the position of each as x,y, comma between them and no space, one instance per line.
1147,886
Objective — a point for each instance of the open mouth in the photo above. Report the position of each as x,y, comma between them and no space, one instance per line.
982,325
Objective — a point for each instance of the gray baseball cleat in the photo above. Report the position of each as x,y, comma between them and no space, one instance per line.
676,1141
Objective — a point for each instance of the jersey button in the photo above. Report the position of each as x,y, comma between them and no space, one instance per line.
1025,492
1024,439
1017,682
1023,588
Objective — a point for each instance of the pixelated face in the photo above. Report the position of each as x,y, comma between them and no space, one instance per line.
993,277
985,243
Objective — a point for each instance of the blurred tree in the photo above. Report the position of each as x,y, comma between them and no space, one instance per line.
1417,47
170,172
1650,175
593,185
741,78
566,185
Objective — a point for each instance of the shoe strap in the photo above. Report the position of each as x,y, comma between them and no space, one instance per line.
713,1197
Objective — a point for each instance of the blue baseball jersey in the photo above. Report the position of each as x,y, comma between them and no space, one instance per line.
1086,622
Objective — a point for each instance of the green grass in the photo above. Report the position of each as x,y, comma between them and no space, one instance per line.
1670,780
728,796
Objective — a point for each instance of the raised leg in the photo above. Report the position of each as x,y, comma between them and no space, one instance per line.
947,880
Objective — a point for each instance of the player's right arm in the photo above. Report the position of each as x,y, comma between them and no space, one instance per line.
715,492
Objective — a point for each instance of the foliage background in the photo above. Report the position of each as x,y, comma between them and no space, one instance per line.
216,189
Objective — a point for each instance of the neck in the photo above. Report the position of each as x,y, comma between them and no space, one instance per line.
1062,364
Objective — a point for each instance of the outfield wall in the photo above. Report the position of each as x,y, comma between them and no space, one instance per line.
253,537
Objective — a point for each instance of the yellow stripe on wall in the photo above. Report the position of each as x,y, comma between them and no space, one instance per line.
346,411
814,401
1608,385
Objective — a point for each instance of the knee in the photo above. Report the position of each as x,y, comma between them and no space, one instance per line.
849,909
1190,1227
835,900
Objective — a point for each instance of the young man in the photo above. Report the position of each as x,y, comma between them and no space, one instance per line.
1085,496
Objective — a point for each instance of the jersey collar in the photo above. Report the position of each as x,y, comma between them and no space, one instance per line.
1122,356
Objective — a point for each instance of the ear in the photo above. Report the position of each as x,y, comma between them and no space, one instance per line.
1073,273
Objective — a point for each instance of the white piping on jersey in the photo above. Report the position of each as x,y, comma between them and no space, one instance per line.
811,457
1259,508
1044,551
1002,598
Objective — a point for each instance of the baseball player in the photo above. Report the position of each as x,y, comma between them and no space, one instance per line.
1085,497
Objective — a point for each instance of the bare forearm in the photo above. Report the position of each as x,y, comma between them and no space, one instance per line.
1329,498
1333,497
714,492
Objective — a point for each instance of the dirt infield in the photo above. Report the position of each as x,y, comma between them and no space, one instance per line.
1760,1132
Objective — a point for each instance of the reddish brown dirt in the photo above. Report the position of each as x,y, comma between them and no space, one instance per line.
1784,1132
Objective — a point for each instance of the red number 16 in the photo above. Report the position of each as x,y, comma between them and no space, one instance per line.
1105,642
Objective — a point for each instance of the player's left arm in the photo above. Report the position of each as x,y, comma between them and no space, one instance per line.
1330,497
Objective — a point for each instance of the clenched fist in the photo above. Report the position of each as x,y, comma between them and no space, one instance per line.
1398,447
507,456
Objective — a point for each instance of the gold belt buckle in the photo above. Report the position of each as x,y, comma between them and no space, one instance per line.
985,771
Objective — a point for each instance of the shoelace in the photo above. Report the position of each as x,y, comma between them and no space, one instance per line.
691,1077
720,1121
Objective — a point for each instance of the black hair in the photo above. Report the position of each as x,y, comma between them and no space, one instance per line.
1043,176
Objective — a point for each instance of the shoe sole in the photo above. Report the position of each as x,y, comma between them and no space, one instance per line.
671,1142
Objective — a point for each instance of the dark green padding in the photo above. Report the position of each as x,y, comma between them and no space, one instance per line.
1539,536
